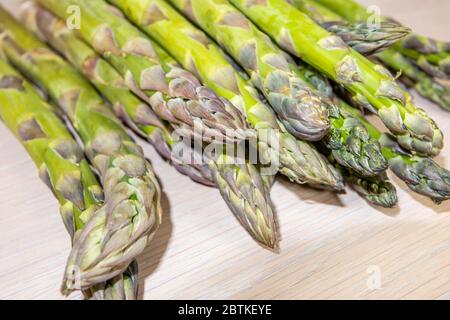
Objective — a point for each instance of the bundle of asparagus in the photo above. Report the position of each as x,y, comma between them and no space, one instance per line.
235,181
423,62
117,233
299,161
206,71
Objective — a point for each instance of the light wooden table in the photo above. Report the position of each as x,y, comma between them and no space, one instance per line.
332,246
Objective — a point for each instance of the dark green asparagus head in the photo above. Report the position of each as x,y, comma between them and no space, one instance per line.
353,147
423,175
378,190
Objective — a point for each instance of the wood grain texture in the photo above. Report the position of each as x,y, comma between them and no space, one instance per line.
332,246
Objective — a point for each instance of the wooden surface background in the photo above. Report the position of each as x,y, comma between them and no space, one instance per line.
333,247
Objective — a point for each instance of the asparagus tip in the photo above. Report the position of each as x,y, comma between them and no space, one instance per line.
423,176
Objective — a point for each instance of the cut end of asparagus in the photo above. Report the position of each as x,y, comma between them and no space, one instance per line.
423,176
378,191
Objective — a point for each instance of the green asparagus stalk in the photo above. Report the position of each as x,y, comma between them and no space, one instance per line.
431,55
361,36
433,183
114,236
298,160
174,94
371,86
430,88
349,145
240,184
61,164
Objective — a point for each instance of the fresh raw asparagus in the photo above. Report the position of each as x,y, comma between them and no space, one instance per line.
115,235
364,38
174,94
434,89
431,55
371,86
346,141
240,184
300,109
62,167
298,160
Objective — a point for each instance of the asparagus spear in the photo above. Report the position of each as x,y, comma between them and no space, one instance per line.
240,184
61,164
349,145
114,236
433,89
369,83
361,36
298,160
174,94
431,55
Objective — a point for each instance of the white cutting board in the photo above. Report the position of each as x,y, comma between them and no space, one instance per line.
332,246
